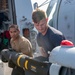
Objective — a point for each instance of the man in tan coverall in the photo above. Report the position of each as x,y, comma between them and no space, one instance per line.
20,44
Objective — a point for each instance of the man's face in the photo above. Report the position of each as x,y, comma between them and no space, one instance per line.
41,26
14,33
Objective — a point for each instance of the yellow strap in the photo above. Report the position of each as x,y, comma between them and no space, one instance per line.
19,60
26,63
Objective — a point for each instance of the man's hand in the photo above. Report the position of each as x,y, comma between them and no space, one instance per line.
43,52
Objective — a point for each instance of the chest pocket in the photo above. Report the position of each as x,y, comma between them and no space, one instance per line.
16,46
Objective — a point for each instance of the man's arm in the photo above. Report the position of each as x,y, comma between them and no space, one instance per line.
26,48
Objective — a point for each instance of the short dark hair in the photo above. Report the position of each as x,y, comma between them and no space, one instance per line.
13,26
38,15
